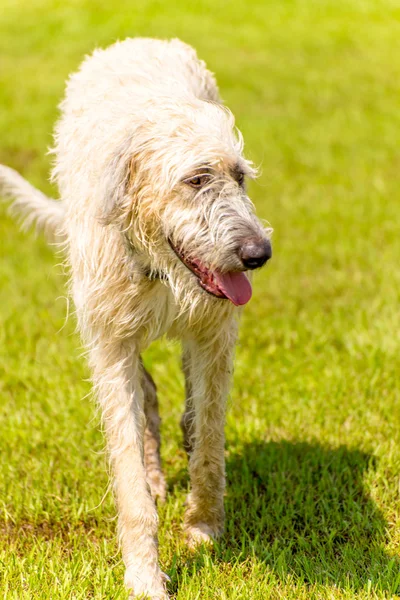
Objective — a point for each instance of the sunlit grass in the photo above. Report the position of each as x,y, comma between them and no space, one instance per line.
313,457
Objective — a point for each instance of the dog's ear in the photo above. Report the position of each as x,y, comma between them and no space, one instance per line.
117,184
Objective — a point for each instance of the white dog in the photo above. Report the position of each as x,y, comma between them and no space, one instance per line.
159,233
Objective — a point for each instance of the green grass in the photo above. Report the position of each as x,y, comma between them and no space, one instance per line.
313,453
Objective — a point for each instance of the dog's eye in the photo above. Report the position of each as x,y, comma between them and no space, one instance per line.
198,180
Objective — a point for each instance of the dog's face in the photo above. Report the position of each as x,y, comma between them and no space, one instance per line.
185,209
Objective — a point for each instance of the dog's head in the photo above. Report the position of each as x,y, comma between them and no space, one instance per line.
176,188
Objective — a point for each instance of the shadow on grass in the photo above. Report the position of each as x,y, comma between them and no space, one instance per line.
301,509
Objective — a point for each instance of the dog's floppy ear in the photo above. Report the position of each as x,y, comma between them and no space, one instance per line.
117,183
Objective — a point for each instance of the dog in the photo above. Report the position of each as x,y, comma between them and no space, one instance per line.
160,237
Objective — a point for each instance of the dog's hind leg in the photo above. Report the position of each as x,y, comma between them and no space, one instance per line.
187,420
117,374
210,374
152,439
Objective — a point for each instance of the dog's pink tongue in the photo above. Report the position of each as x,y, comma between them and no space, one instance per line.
235,286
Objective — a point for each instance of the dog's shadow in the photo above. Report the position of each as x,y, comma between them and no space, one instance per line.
304,510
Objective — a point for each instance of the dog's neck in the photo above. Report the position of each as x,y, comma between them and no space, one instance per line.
135,255
154,275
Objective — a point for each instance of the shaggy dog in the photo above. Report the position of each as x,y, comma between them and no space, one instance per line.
158,232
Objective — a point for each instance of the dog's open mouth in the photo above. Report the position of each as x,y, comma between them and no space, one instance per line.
233,286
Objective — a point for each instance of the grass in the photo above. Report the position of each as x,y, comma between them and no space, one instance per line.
313,453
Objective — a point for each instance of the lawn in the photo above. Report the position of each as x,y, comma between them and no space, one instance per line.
313,436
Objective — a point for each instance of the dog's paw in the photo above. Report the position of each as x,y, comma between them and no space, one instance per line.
142,587
133,596
199,534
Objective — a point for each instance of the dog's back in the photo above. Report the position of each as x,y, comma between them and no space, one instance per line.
143,67
114,89
160,66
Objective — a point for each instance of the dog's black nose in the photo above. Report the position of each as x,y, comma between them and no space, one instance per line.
255,253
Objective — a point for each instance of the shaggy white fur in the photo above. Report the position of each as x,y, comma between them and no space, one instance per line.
158,232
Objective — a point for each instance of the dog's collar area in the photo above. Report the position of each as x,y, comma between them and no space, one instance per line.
155,275
152,275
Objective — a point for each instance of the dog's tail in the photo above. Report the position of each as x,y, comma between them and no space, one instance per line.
32,207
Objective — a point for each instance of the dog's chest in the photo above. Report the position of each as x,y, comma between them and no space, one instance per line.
157,309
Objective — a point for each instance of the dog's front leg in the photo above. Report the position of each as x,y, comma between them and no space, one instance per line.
117,375
210,369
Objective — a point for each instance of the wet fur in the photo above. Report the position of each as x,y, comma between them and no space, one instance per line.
137,119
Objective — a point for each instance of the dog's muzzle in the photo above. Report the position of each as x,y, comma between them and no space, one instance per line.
232,285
